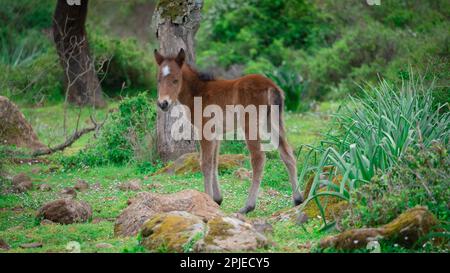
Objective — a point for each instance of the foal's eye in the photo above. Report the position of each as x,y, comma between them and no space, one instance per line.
175,82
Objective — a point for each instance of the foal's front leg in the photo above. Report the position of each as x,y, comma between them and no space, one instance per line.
209,165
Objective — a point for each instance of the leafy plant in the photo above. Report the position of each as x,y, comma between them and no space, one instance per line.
128,135
374,133
291,83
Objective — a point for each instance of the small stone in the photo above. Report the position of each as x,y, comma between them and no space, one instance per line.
243,174
69,193
4,245
305,246
31,245
262,226
131,185
81,185
301,218
47,222
154,186
45,187
20,178
66,211
103,245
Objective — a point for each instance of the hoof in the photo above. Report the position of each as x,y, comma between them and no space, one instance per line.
218,200
246,209
298,200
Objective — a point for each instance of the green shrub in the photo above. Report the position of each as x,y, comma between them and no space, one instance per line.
373,134
124,63
422,178
292,85
256,29
127,136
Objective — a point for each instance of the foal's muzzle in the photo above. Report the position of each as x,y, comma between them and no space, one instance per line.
164,105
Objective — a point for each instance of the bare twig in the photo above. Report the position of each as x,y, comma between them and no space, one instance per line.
70,140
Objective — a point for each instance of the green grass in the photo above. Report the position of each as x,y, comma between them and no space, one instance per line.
17,211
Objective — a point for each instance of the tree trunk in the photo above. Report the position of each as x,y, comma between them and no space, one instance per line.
82,84
176,23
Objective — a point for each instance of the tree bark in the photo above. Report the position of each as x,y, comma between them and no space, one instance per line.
81,81
176,23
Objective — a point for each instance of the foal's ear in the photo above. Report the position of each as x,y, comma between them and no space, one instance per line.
180,57
158,57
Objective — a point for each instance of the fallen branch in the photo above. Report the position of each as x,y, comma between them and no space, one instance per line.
69,141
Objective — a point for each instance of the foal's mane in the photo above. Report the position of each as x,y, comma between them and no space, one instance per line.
202,76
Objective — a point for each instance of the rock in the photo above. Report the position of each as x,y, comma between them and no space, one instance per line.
81,185
14,128
45,187
69,193
172,230
301,218
230,234
103,245
46,222
262,226
131,185
243,174
4,245
31,245
22,183
66,211
405,230
190,163
147,204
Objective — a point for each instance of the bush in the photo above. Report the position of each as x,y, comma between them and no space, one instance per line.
125,63
127,136
256,29
373,135
422,178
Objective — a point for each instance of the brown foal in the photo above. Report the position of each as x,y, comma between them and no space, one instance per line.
177,81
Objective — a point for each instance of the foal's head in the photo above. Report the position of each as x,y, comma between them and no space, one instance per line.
169,78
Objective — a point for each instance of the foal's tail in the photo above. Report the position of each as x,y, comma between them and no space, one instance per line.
276,98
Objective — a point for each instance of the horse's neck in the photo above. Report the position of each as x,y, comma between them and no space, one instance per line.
192,87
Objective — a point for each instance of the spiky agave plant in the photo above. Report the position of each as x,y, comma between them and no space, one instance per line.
374,132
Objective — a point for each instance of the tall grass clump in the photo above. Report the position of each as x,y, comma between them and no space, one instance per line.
372,134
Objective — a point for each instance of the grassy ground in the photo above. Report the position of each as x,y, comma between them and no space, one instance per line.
17,211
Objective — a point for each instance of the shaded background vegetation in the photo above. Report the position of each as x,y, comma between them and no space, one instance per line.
330,47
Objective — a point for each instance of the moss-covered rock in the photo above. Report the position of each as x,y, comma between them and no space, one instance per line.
230,234
405,230
190,163
173,231
145,205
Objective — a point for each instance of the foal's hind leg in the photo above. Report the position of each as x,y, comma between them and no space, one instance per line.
258,158
217,196
289,160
